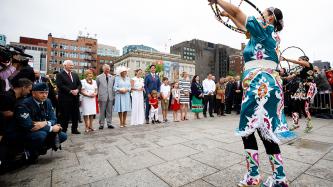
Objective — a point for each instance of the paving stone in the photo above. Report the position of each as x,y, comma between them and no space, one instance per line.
112,141
198,183
226,138
214,131
141,137
169,140
78,146
218,158
174,152
310,181
320,138
141,178
83,174
191,136
183,171
138,147
96,155
43,180
54,160
300,154
204,144
324,131
329,156
130,163
322,169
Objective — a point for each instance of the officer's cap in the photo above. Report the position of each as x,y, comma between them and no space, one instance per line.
40,87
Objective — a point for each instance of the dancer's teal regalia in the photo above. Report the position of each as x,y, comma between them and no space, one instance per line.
263,102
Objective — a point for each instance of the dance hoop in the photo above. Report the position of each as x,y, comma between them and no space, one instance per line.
217,13
295,68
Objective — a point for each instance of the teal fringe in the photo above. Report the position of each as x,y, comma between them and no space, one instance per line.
286,135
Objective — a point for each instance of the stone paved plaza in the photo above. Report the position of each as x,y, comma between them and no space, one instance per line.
195,153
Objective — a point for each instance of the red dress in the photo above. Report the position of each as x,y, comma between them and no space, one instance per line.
175,105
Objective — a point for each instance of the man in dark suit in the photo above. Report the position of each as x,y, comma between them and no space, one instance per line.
36,120
69,86
152,82
38,77
238,94
229,94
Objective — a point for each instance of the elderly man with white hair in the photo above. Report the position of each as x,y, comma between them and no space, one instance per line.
105,83
69,86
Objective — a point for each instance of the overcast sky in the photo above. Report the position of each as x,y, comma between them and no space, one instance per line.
161,23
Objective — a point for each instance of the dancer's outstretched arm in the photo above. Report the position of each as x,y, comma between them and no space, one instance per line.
299,62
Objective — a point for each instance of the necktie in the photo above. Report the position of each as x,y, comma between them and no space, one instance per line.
107,79
42,111
70,76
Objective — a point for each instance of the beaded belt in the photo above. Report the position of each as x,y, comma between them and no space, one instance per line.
265,64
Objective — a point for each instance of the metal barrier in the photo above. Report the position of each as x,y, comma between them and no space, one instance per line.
323,101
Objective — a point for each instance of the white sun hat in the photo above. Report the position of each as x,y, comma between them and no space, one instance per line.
120,69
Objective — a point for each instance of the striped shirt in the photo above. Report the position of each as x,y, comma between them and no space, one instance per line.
185,90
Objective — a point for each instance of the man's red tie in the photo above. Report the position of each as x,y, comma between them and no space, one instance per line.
69,74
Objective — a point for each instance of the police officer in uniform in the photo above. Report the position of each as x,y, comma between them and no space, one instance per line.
36,118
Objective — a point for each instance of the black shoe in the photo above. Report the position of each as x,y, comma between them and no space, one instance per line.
157,121
101,127
76,132
147,121
205,115
153,122
110,127
211,115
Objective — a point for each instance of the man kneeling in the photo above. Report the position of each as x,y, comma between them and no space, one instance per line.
36,119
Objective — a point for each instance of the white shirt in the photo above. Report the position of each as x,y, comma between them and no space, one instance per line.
165,90
208,86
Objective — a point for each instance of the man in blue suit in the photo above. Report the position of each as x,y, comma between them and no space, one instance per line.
152,82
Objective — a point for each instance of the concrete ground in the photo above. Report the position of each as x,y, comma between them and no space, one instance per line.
194,153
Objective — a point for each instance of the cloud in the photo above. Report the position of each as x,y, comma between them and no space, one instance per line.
155,22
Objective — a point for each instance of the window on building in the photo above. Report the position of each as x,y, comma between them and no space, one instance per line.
54,45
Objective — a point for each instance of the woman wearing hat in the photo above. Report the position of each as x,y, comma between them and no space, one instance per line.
122,87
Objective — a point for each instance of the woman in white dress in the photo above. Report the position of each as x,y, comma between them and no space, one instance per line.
88,103
137,87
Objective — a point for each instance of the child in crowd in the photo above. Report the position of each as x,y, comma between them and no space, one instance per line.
153,101
175,105
165,95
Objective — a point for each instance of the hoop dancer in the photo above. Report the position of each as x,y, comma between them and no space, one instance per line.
305,93
262,104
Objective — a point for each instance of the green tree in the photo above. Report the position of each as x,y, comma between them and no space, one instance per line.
159,68
231,73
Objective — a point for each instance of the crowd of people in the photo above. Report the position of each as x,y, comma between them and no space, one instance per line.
36,110
146,92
